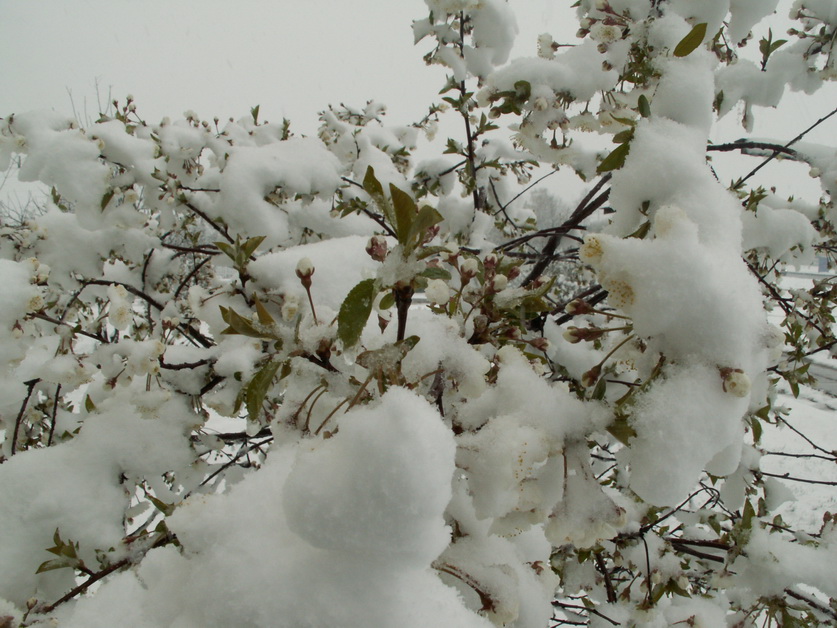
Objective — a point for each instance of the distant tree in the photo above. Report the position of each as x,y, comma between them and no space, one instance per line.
222,404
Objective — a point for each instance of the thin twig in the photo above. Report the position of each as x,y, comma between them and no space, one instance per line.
786,476
740,182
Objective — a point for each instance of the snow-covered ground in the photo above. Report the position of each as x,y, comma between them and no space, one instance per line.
814,416
812,423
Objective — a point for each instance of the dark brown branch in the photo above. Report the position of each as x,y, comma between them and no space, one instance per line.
183,365
49,319
212,383
805,438
242,452
188,277
187,330
403,300
190,249
575,607
744,145
30,387
822,608
488,603
588,205
94,578
376,217
54,415
600,565
224,233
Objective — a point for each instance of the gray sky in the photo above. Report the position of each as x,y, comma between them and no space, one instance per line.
218,57
292,57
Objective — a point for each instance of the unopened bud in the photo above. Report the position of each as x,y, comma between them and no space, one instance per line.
590,378
377,248
304,270
541,344
469,269
578,306
735,382
587,334
540,104
500,282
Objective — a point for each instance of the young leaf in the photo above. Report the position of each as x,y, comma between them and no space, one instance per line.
355,311
691,41
106,199
163,507
240,325
622,430
258,387
405,213
226,248
427,218
616,159
643,106
255,113
387,301
264,316
434,272
374,189
250,246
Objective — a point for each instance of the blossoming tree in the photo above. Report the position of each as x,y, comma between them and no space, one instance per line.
258,379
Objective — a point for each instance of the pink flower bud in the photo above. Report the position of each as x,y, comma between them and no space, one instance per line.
377,248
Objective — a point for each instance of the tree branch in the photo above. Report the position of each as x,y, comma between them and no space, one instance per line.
31,386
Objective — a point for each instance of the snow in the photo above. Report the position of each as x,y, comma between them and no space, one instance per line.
457,470
576,71
300,561
704,427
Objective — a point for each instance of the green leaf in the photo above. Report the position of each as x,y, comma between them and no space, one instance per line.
255,113
427,218
794,386
372,186
641,231
405,213
226,248
755,423
622,430
523,89
264,316
240,325
374,189
56,563
355,311
616,159
159,504
258,387
600,390
623,136
748,515
387,301
434,272
250,246
691,41
644,107
106,199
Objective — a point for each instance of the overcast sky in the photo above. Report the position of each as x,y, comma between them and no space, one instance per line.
219,57
292,57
